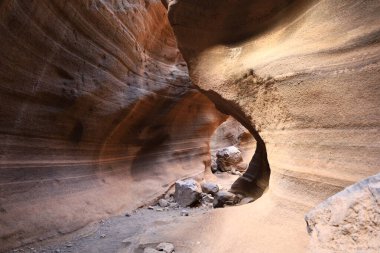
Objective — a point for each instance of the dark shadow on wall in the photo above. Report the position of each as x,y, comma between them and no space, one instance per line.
255,180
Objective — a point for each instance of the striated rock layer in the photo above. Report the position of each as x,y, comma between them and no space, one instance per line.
301,76
97,113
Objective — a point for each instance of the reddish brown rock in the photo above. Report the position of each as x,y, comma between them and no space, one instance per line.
97,114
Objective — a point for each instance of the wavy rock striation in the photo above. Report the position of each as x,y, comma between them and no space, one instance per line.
301,76
97,114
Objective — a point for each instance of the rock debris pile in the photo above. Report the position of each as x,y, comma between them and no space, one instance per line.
191,194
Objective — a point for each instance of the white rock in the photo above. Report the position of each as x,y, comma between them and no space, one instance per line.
184,213
187,192
165,247
228,158
246,200
210,188
207,198
163,203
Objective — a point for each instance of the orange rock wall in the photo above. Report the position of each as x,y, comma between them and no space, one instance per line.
97,114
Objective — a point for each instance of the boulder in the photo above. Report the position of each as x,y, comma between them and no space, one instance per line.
187,192
348,220
165,247
209,188
225,198
228,158
163,203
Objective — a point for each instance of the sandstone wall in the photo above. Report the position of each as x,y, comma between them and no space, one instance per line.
97,113
304,75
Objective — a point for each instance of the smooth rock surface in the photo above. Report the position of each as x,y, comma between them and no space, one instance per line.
209,188
302,78
97,114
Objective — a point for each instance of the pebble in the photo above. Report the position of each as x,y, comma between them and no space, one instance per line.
165,247
184,213
246,200
163,203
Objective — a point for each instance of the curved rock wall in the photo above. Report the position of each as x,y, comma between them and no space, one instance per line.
304,75
97,113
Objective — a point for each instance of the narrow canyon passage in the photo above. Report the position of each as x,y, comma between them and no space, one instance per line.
108,107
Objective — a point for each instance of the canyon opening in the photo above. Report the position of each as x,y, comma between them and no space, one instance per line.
190,126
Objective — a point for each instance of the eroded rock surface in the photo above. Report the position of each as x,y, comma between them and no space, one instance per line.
349,221
97,114
301,76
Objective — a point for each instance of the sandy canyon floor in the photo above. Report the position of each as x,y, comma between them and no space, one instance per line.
203,230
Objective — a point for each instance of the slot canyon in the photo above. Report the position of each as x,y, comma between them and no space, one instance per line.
119,118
